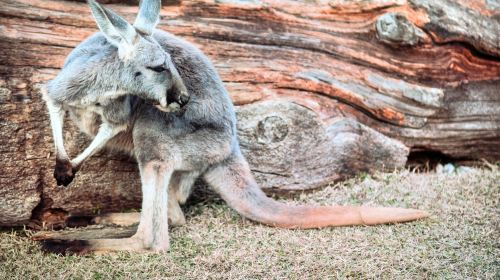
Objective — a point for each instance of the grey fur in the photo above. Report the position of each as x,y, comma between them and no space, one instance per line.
100,88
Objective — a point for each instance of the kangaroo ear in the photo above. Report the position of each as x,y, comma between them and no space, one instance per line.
148,16
116,29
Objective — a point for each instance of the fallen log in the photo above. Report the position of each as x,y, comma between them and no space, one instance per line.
324,91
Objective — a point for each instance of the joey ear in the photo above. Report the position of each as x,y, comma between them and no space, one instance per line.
116,29
148,16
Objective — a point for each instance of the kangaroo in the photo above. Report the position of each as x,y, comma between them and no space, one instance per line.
155,96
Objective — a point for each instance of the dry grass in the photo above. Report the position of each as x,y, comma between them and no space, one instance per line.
459,241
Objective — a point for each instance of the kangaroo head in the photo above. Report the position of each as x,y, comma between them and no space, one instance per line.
141,67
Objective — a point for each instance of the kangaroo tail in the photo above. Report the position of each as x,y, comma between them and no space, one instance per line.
234,182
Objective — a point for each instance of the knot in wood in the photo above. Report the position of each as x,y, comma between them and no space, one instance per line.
396,29
272,129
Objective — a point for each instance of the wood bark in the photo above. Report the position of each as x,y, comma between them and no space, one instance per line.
324,90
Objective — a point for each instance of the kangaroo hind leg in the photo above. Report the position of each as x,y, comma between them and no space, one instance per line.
179,190
153,224
152,232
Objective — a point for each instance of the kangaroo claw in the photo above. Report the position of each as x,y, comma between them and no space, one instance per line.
64,173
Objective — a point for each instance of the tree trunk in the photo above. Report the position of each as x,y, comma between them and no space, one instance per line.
324,90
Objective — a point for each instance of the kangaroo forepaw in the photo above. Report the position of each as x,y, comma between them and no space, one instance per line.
64,172
183,99
176,99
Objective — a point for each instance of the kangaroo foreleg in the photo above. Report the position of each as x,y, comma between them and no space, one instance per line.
63,171
66,169
56,115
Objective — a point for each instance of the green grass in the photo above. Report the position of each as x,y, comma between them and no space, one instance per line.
460,240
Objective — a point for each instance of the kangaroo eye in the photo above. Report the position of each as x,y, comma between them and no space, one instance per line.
158,69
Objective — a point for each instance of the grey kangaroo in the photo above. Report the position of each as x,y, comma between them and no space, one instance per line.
150,94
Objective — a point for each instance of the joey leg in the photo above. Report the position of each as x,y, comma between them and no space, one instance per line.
104,134
65,169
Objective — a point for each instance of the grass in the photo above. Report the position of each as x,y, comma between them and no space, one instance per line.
460,240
